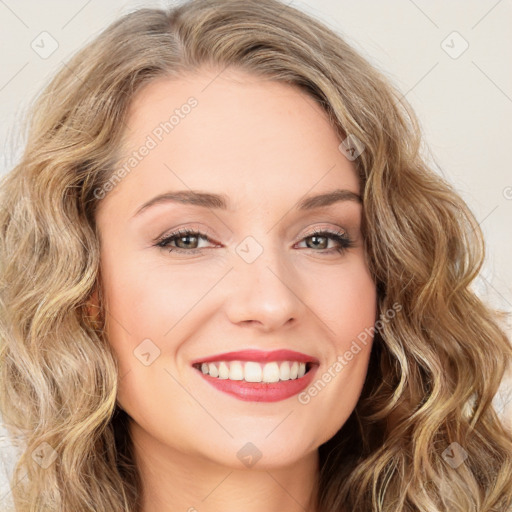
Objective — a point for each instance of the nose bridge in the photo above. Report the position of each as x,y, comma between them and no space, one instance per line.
262,284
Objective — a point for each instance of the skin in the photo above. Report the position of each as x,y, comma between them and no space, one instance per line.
294,295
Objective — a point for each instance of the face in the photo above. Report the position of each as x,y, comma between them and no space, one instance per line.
262,268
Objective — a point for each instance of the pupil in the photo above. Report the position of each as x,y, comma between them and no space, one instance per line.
186,237
316,237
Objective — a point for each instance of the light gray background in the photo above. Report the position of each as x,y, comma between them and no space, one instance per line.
463,98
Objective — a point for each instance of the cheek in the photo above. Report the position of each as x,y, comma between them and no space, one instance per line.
147,309
146,299
152,310
345,299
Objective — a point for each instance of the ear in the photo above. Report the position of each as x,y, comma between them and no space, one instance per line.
93,306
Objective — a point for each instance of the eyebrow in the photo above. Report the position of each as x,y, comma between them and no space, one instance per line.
221,201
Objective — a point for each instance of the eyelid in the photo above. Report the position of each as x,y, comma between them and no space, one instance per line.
323,229
319,229
185,230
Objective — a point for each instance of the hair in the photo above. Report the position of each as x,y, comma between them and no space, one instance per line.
434,368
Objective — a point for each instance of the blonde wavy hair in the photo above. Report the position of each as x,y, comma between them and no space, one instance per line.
434,369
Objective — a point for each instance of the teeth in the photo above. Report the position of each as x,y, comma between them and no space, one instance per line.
251,371
214,372
223,371
284,371
271,372
294,370
236,371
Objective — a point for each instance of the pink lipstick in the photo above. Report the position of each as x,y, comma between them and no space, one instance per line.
259,376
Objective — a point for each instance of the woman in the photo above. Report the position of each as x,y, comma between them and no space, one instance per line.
317,346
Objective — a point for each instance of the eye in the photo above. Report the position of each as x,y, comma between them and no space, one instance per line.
340,237
187,241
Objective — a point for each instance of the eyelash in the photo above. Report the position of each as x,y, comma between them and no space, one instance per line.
339,236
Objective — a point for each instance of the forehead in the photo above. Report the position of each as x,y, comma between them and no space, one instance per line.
245,136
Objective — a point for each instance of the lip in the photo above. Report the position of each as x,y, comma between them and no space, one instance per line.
259,356
261,391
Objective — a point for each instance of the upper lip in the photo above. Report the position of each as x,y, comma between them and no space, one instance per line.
259,356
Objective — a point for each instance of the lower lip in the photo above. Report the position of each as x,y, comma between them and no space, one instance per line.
261,391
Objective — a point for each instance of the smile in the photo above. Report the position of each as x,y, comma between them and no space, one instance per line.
252,371
258,376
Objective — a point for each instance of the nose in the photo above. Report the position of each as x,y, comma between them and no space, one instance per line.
264,293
